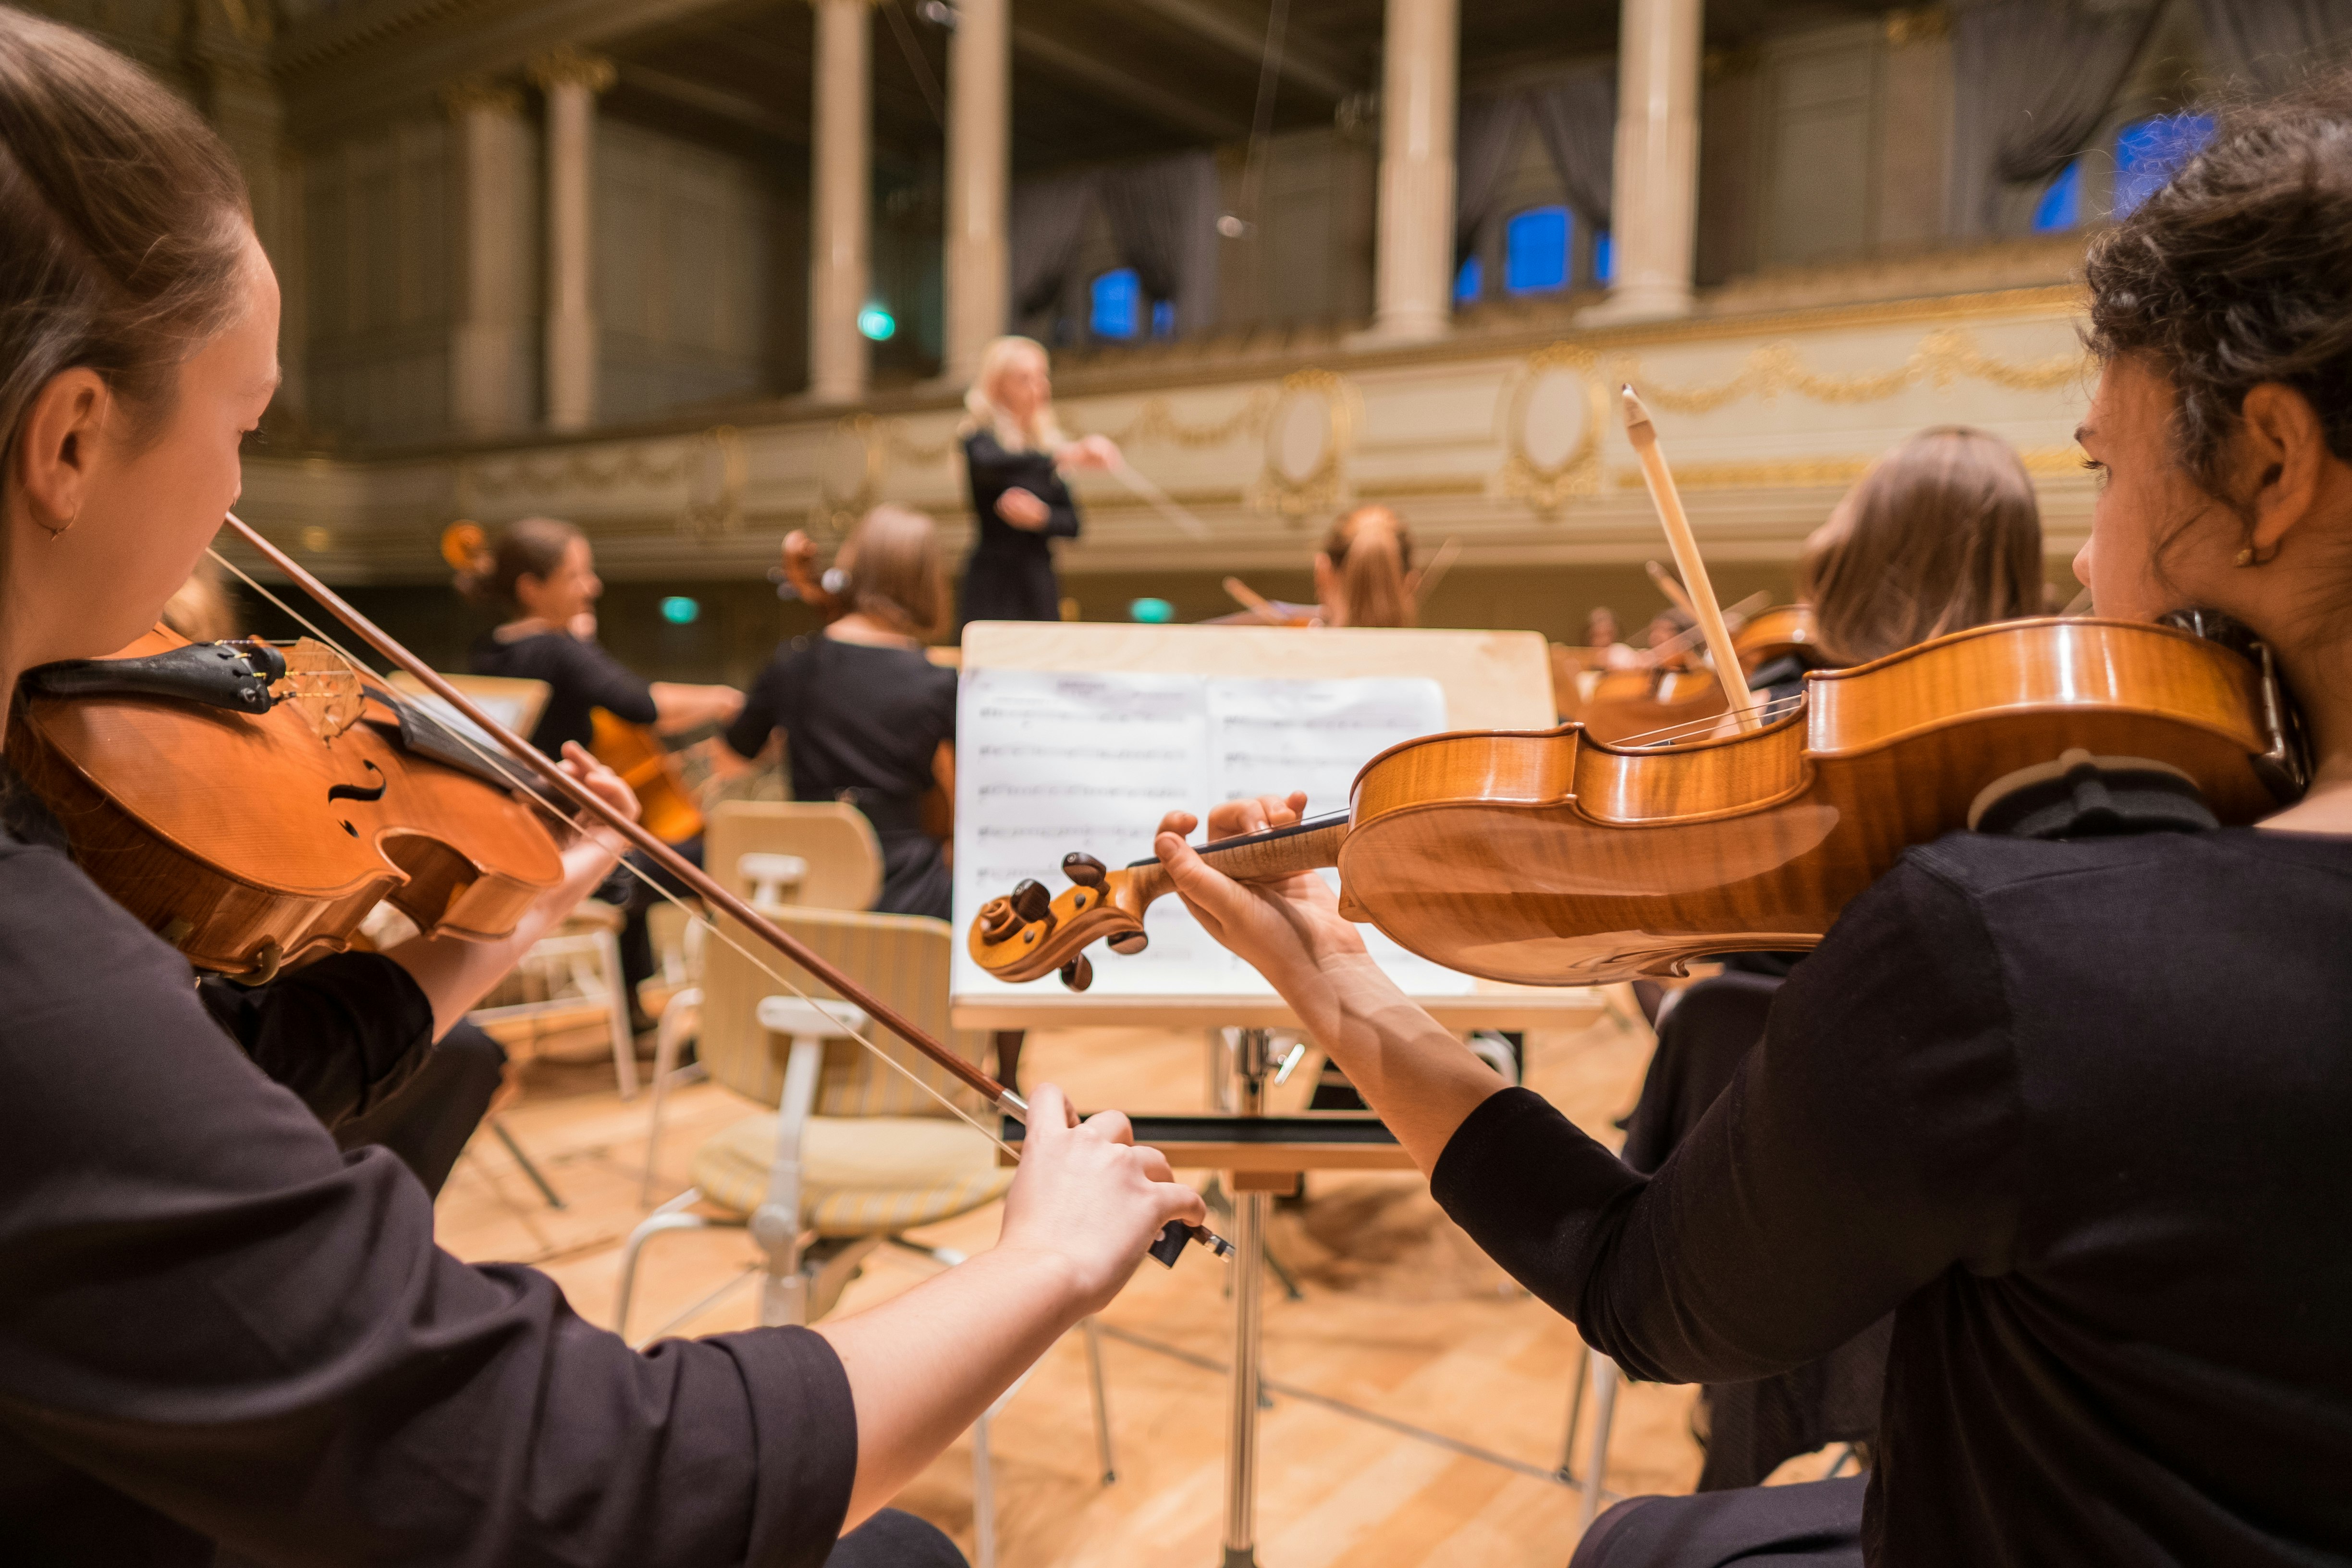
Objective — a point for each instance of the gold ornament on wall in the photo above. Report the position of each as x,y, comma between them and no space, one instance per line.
1553,415
1310,430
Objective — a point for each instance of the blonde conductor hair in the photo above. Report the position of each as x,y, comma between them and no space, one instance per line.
982,413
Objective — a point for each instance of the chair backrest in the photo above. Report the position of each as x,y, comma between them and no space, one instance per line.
901,958
844,859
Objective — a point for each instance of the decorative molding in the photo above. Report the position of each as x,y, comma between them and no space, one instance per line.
1326,485
1521,477
567,67
1943,357
473,94
1824,473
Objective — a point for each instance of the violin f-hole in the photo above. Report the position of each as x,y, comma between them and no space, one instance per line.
361,792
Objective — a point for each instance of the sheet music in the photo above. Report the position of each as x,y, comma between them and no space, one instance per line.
1049,762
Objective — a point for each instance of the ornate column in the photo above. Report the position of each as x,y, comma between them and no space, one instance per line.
841,185
1654,194
980,143
490,381
1413,260
570,80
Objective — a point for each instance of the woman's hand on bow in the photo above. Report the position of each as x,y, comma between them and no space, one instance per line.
1086,1201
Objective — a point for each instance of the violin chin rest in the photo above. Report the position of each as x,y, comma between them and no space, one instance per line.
2082,796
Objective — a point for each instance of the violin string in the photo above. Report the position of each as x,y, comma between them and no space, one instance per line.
1777,708
710,924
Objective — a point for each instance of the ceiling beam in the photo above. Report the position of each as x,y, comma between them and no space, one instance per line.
715,102
1161,104
1302,61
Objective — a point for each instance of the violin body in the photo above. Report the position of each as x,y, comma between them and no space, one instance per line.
633,750
247,842
1628,703
1554,858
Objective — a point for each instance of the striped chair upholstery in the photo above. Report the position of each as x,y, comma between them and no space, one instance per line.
880,1154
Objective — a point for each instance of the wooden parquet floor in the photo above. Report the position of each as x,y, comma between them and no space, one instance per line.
1400,1316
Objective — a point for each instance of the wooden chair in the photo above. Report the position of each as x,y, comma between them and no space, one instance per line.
844,859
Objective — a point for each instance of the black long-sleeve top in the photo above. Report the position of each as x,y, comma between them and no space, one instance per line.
1009,575
2082,1115
862,724
581,677
218,1332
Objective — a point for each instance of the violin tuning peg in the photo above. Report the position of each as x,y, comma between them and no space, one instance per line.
1084,869
1130,944
1077,974
1030,900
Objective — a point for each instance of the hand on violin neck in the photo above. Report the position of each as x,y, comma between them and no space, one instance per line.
606,785
1284,928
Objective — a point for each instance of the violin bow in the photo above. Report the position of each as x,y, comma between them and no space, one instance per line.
1687,559
1002,1099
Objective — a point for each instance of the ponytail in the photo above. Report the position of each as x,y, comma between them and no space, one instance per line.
1372,554
533,547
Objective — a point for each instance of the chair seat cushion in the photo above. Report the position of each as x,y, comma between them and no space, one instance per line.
859,1175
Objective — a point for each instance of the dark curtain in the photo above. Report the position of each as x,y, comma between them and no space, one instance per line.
1485,145
2031,79
1163,217
1578,121
2269,44
1048,220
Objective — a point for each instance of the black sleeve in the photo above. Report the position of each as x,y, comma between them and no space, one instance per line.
763,708
605,682
1869,1144
944,702
342,1033
995,471
204,1306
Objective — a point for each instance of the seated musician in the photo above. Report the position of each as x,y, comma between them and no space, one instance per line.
1363,573
2072,1111
221,1338
542,575
863,714
1943,533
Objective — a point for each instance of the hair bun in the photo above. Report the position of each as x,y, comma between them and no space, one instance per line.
466,547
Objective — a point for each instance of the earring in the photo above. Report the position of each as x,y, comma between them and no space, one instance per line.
68,523
2247,557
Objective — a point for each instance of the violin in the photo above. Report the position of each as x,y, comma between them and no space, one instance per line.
1556,858
251,805
1775,634
532,762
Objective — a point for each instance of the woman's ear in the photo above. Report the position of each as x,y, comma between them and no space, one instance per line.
2284,471
64,431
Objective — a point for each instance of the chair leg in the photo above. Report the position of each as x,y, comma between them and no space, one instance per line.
983,1495
624,1039
677,1022
1596,1464
666,1217
537,1179
1102,1400
1575,1411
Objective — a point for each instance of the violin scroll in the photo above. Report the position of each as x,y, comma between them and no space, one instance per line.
1030,933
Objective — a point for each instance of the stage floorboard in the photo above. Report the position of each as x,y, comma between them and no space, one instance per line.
1401,1316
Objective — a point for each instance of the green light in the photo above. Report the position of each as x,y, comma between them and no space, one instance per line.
1151,612
680,611
877,322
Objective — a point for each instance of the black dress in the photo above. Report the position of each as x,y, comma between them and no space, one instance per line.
1010,577
861,724
2075,1113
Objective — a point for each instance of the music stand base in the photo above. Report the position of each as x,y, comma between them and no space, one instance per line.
1241,1557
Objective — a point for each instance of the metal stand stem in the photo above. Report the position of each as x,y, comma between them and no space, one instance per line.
1250,1210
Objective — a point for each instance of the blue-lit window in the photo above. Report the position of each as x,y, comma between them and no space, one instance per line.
1163,318
1470,282
1604,257
2061,207
1118,305
2148,151
1535,251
